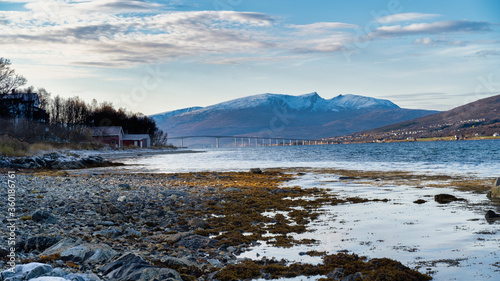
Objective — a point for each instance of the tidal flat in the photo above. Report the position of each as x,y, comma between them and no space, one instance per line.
261,224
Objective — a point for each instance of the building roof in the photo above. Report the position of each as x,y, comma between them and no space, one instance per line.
25,97
106,131
135,137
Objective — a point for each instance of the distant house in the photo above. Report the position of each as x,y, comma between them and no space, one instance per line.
112,135
139,140
21,105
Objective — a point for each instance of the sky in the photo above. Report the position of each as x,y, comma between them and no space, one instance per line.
156,56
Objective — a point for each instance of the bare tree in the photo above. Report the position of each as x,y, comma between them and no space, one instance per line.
159,138
9,80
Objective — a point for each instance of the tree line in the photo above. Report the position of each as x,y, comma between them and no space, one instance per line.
74,114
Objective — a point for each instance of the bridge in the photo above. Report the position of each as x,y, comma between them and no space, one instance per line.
243,141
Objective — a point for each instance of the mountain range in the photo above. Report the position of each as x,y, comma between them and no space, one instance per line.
284,116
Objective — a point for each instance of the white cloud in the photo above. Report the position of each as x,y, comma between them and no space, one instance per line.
431,28
427,41
405,17
102,38
323,27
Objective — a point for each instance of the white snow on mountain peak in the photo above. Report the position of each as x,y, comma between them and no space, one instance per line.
307,102
311,101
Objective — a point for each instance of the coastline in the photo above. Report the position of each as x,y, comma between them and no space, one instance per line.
130,153
171,220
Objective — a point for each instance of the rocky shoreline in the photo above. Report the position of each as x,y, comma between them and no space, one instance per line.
55,161
165,227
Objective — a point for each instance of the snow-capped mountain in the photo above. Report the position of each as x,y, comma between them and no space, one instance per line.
310,102
307,116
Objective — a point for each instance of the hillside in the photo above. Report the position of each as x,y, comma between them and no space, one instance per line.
479,118
270,115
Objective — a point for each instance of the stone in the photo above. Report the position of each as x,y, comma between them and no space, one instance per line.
43,217
197,242
39,243
26,272
233,189
83,253
131,267
353,277
256,171
491,217
62,245
43,272
124,186
336,274
130,233
178,236
106,223
176,262
494,193
88,254
419,201
346,178
109,233
446,198
196,223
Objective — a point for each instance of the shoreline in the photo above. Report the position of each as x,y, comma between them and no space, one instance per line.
99,211
144,152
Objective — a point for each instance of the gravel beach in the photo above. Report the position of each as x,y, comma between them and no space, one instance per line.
190,226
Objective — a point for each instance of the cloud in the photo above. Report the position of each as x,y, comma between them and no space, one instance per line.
431,28
405,17
427,41
322,27
101,38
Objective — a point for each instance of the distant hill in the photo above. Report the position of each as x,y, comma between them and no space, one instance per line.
270,115
479,118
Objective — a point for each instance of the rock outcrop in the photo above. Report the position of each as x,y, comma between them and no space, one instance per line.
43,272
52,161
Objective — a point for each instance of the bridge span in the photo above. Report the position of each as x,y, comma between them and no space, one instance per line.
245,141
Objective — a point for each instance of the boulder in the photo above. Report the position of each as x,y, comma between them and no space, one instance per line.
89,254
26,272
256,171
336,274
446,198
43,272
494,193
491,216
131,267
82,253
39,243
43,217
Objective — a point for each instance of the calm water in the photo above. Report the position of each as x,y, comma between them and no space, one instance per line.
454,240
462,157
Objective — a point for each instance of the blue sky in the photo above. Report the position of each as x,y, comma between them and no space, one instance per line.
155,56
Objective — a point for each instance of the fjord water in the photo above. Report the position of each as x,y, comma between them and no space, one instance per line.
481,158
451,241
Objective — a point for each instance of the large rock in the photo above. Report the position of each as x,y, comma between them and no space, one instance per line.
446,198
43,217
82,253
39,243
42,272
494,193
131,267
